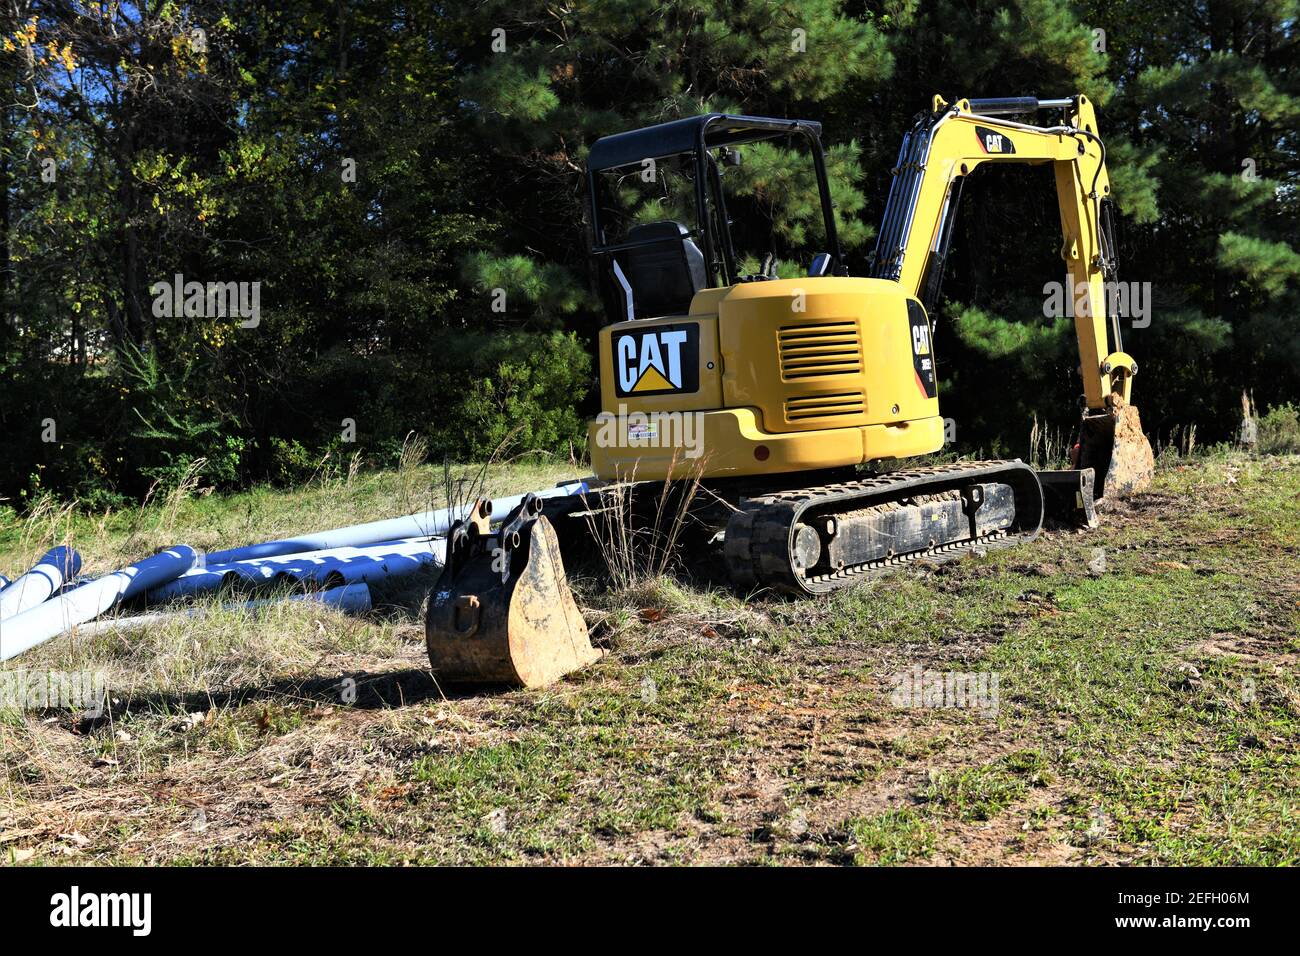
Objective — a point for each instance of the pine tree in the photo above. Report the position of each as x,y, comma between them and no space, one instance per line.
544,82
1001,360
1207,99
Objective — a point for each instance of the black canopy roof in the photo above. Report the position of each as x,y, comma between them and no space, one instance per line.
680,136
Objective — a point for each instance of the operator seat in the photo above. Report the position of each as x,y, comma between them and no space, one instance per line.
662,276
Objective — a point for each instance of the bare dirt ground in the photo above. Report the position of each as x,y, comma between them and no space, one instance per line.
1145,710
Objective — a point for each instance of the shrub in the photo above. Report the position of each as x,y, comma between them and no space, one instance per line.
175,421
291,462
1279,430
522,386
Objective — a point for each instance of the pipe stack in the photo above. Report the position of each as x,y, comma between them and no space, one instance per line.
333,567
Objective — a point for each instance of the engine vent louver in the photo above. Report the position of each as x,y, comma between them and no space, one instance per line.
824,406
820,349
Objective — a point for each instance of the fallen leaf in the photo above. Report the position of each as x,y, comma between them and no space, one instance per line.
652,614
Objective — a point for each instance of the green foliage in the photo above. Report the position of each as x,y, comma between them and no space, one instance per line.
1273,267
1132,180
808,50
381,169
783,184
549,288
292,464
999,338
1279,430
518,390
177,430
506,90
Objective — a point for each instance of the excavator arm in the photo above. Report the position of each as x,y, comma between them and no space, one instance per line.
945,146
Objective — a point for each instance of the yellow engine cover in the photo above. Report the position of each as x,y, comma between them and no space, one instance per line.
768,377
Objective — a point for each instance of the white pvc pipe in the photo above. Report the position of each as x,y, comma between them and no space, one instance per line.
422,525
51,572
351,599
342,565
368,565
54,617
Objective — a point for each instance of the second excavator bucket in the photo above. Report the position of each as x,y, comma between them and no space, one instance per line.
1113,444
502,612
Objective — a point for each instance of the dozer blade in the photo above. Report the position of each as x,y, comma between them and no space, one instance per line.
1113,445
502,612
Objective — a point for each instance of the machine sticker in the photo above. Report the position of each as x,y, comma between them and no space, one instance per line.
994,142
659,360
922,350
646,432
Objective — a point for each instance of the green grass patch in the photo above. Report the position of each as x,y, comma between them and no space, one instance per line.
896,836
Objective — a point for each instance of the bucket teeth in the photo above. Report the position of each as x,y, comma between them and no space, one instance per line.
1113,445
502,612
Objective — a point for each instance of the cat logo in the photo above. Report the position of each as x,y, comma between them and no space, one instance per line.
920,340
922,350
657,361
993,142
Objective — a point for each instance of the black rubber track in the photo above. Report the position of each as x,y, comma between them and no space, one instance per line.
759,538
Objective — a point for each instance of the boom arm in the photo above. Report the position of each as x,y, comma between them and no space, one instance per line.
945,146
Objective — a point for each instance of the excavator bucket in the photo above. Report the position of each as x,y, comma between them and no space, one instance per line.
1069,497
502,612
1113,445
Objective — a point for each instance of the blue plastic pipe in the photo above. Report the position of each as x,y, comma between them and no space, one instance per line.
376,564
212,578
59,615
350,598
424,524
55,568
324,568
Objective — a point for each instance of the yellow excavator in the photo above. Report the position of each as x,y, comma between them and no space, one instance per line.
792,399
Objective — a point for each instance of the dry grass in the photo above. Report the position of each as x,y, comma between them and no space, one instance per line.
229,649
230,702
1048,446
636,546
184,515
717,729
